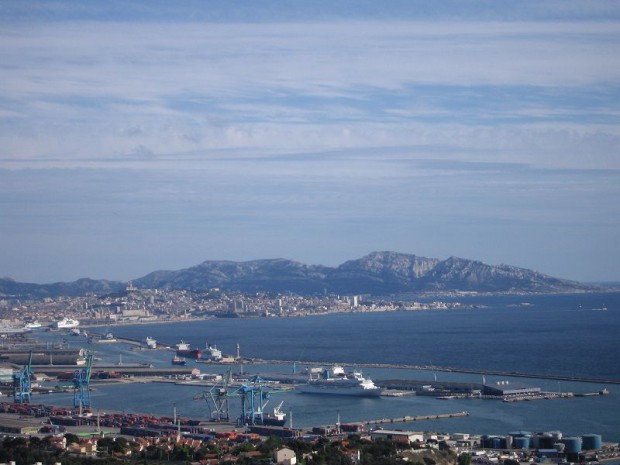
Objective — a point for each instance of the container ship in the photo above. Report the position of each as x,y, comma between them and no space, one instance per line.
335,381
184,350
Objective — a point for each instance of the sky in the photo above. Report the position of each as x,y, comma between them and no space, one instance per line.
153,135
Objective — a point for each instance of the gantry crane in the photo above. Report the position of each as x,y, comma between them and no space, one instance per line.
254,398
22,388
81,384
218,399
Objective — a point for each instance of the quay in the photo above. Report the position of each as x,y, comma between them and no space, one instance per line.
515,374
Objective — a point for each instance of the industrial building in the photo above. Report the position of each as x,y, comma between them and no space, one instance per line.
9,424
510,389
393,435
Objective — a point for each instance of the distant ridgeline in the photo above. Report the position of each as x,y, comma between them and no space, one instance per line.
379,273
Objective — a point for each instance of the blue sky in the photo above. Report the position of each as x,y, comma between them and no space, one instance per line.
137,136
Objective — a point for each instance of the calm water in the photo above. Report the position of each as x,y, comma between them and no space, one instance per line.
568,335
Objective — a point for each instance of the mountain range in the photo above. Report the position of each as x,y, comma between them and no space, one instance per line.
378,273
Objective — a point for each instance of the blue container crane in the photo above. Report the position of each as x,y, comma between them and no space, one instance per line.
254,398
22,388
81,384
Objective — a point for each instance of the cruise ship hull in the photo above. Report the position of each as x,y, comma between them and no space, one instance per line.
334,389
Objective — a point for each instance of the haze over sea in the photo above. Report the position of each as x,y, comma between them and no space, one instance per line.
572,335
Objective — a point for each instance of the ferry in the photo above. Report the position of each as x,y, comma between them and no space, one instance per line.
211,352
67,323
335,381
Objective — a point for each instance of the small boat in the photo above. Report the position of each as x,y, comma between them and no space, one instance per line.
178,361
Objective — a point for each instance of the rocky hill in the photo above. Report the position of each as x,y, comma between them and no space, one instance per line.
9,287
379,273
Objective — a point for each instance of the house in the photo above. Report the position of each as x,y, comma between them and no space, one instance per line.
285,456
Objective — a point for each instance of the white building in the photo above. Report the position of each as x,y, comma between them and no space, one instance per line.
285,456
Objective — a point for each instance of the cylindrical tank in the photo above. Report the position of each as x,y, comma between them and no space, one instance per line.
522,442
520,434
546,441
573,445
592,442
535,442
492,442
559,447
507,442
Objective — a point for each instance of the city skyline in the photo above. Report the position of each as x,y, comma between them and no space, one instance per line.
139,136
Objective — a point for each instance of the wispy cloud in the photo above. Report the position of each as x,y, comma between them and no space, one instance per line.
406,127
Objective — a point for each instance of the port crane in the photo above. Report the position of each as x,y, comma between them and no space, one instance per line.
22,389
81,384
254,398
218,399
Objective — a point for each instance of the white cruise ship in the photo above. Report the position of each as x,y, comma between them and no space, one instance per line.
33,325
336,381
211,352
67,323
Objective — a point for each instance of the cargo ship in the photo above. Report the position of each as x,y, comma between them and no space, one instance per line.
176,360
184,350
277,418
335,381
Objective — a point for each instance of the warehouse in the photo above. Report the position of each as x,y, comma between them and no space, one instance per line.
400,436
10,424
510,389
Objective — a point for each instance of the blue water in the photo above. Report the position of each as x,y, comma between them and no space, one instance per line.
566,335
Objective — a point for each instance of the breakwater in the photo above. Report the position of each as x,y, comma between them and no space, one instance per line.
408,419
516,374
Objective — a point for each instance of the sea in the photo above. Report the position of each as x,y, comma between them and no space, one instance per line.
573,335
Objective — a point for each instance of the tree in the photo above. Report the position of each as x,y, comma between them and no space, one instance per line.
72,438
464,459
272,443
